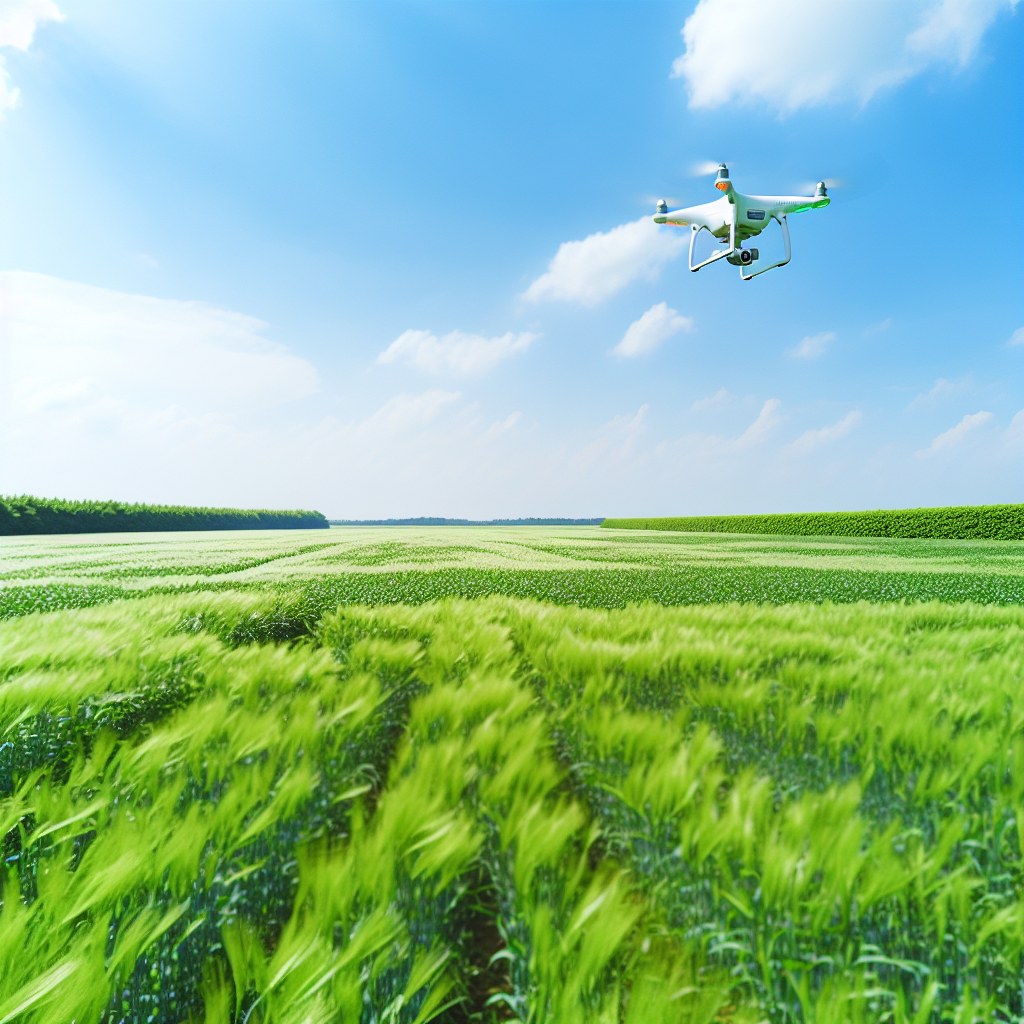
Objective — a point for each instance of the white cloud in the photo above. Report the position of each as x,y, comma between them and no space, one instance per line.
125,396
458,353
1013,436
647,333
54,396
882,325
812,439
501,426
800,53
613,441
405,412
81,359
8,96
19,18
765,423
18,22
943,389
604,263
813,345
1017,338
952,437
716,450
719,398
952,29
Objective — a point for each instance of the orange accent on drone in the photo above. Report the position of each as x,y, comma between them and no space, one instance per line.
722,186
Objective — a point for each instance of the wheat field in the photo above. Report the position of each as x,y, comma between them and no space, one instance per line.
265,794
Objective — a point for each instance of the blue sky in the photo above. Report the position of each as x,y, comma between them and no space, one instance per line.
390,259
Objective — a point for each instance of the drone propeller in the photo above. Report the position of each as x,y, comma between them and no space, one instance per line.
702,168
830,183
671,200
867,173
699,169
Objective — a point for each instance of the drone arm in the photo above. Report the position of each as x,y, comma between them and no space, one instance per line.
778,263
696,230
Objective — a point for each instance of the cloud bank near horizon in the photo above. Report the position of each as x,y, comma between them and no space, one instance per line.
109,394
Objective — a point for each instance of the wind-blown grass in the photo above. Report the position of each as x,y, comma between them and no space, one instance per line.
373,778
502,808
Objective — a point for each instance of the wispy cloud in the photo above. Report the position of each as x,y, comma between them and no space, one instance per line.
600,265
943,389
1013,436
882,325
813,345
404,412
458,353
31,398
501,426
8,96
719,398
955,435
812,439
1017,338
614,440
883,45
131,360
765,423
655,326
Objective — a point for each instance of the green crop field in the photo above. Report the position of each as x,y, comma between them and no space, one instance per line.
564,774
590,566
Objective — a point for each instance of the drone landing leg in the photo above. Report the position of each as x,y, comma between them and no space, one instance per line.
696,230
779,263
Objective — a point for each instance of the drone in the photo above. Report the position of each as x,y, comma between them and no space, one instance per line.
735,217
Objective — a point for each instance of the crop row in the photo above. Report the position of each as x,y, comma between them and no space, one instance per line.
617,588
968,522
589,588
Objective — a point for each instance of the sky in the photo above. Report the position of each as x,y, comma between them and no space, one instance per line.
397,259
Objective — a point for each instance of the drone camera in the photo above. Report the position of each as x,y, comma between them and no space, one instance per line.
747,256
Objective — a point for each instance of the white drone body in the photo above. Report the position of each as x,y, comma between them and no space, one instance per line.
735,217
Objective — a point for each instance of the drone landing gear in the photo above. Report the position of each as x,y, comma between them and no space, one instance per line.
778,263
696,229
735,255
